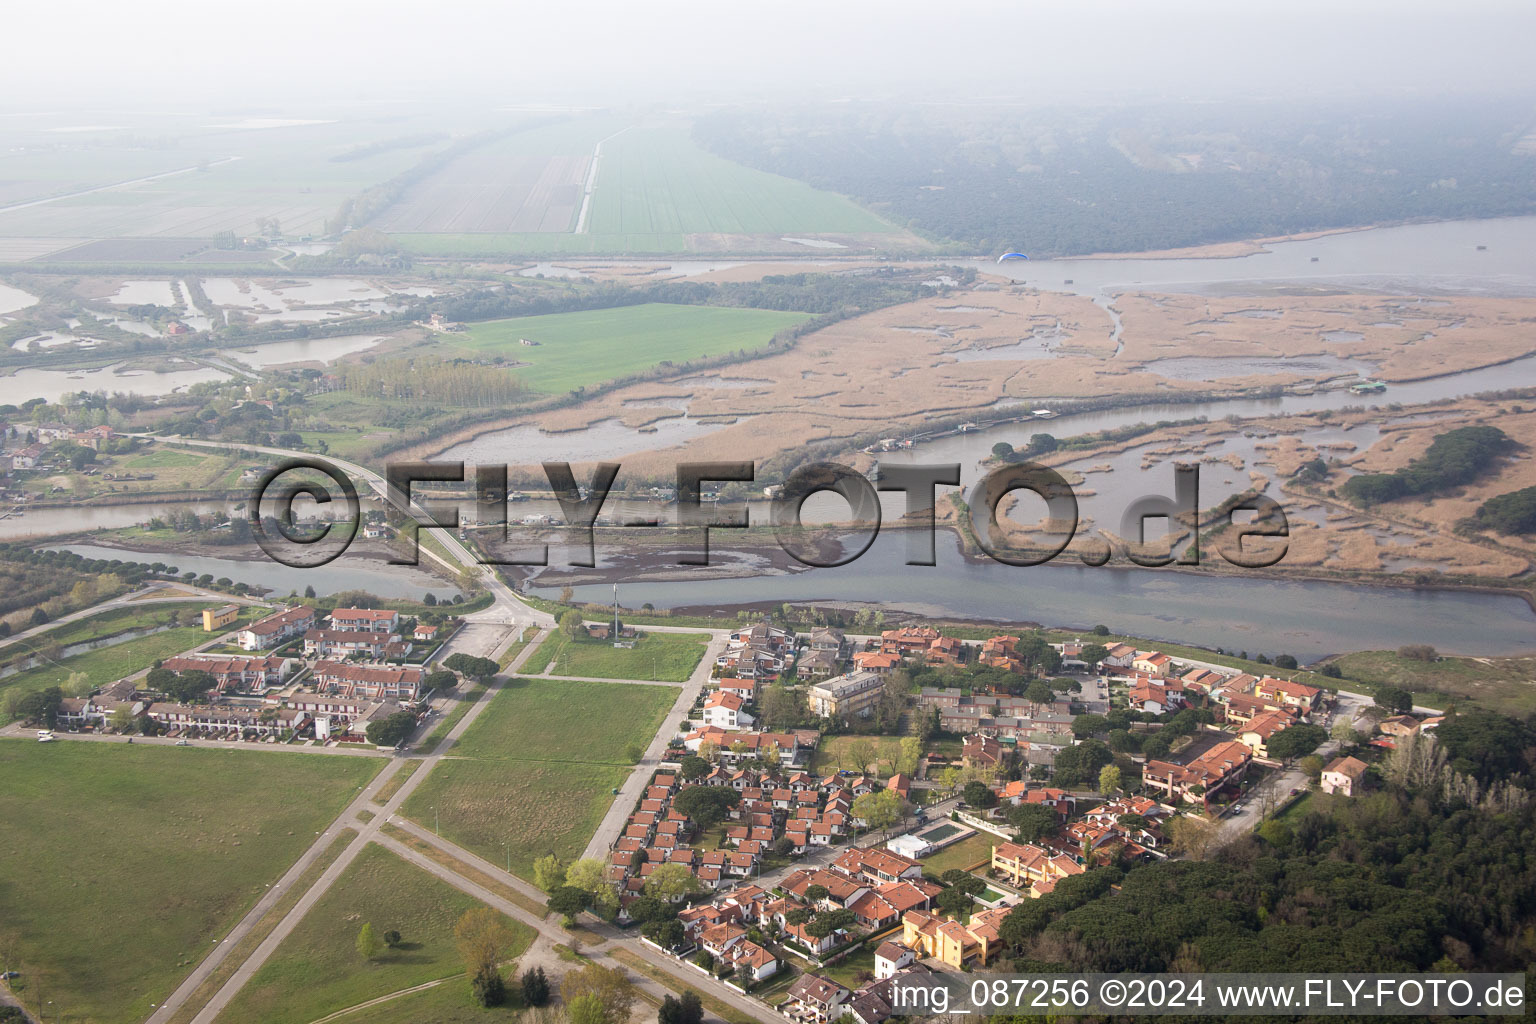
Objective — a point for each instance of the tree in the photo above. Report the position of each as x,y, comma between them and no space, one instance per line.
570,623
671,882
38,617
1039,692
587,1009
535,987
1123,741
783,708
392,938
488,988
568,901
1079,765
1418,652
41,706
694,767
368,944
815,893
977,794
1034,821
1190,836
1394,700
911,754
1296,741
1002,450
954,901
1109,779
391,730
1084,726
882,808
687,1010
471,666
442,680
585,874
122,718
1092,654
862,754
548,872
1286,661
481,936
610,985
649,910
706,805
1313,766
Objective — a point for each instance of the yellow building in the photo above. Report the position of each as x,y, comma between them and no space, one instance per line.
218,618
951,942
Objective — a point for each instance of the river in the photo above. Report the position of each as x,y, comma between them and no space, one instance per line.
1258,614
346,573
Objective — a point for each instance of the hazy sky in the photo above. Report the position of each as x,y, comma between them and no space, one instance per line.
291,51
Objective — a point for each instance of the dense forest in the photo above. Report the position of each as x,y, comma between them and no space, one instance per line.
1454,458
1071,182
1431,870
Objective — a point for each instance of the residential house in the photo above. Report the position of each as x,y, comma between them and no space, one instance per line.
374,682
277,628
724,711
1225,762
982,752
815,999
1343,775
1261,728
218,618
235,674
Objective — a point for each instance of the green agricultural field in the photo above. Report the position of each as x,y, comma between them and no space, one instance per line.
653,179
581,349
317,970
663,657
109,663
536,772
135,860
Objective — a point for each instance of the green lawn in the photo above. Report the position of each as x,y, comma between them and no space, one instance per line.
665,657
520,810
1503,684
536,772
965,854
836,753
122,866
317,969
565,720
111,663
447,1003
585,348
114,621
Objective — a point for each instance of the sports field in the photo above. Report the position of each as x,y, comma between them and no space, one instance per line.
317,970
585,348
152,851
536,772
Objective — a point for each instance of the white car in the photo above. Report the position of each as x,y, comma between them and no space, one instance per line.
45,737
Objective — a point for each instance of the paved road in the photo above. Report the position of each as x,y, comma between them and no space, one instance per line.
367,832
506,606
612,825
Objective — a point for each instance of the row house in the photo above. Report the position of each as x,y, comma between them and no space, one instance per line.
373,682
336,643
227,720
950,942
235,674
1222,764
732,747
1256,733
95,712
1288,694
877,865
365,620
908,640
277,628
